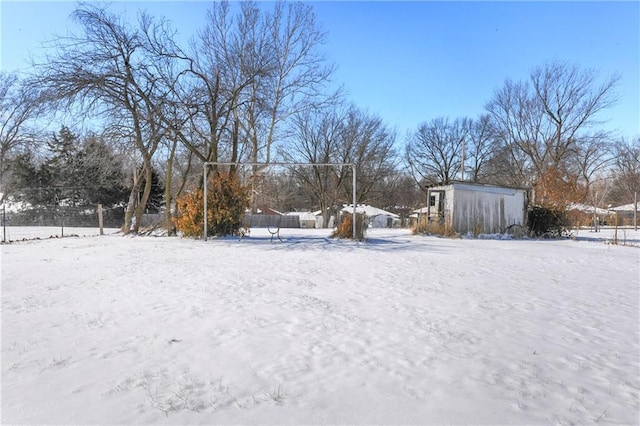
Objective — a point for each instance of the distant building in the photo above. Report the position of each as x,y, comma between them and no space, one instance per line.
265,216
588,215
306,219
468,207
376,218
626,213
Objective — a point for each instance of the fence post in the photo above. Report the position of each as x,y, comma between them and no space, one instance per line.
100,222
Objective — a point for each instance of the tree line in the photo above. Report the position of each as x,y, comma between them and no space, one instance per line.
252,85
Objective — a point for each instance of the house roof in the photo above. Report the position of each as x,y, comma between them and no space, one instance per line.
302,215
587,208
368,210
268,211
624,208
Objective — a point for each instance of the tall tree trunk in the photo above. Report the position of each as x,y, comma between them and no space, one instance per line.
132,203
139,211
234,147
325,214
185,175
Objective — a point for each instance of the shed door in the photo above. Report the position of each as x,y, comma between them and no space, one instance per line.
436,203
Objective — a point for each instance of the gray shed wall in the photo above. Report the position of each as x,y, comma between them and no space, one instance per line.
483,210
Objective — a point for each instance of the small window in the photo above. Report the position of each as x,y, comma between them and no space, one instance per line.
432,201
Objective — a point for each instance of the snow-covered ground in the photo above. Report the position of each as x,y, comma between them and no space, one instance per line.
401,329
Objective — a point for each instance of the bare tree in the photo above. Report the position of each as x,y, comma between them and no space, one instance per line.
542,122
247,71
107,70
210,81
18,104
591,160
571,99
400,190
519,125
342,135
317,136
626,171
433,152
270,70
368,143
593,155
479,147
294,79
504,167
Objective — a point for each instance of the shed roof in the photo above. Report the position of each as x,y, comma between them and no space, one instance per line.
475,185
478,187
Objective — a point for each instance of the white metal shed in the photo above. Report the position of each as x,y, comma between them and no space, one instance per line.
477,208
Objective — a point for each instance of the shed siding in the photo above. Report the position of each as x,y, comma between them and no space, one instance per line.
480,209
486,211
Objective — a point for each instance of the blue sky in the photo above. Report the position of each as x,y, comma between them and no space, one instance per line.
411,62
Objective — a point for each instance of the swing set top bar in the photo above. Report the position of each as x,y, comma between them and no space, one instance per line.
223,163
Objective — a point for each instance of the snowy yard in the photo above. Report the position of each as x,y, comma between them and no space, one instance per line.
401,329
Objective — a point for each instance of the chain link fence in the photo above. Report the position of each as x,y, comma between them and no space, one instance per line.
56,218
25,210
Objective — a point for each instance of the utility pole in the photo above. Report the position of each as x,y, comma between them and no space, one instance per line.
462,174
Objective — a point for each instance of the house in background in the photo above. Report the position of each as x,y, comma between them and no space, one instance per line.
376,218
416,214
468,207
267,217
626,213
588,215
307,219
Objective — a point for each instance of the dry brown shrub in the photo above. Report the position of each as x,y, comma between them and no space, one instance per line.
424,226
226,203
345,228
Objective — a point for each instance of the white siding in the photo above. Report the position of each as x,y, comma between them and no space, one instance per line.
480,209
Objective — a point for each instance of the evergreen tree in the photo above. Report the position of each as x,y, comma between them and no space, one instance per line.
29,181
65,166
85,171
102,173
156,198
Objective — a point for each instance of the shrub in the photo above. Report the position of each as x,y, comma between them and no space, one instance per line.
424,226
226,203
546,221
189,214
556,189
345,228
